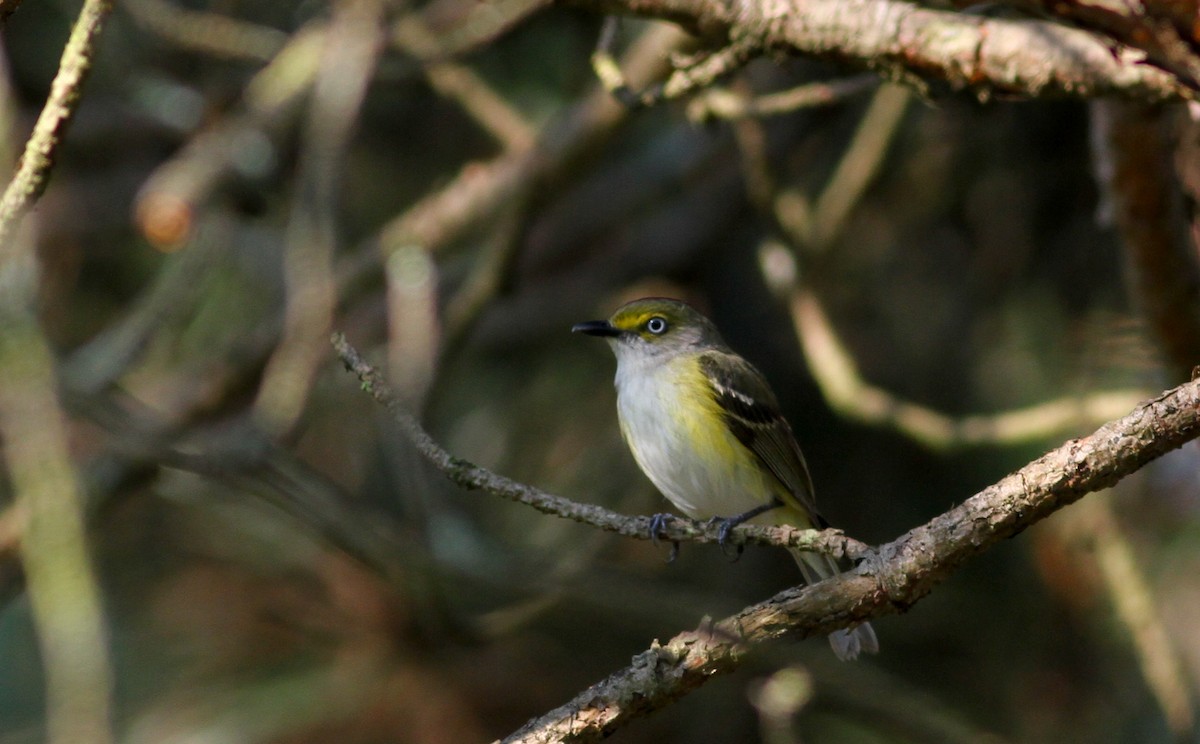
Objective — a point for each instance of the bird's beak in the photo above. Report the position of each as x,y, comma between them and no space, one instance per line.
596,328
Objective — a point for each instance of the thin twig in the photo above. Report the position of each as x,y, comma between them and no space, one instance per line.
684,79
207,32
472,477
1128,589
461,84
34,170
722,103
166,205
483,23
859,165
353,44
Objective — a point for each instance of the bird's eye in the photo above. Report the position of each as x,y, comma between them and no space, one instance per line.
656,325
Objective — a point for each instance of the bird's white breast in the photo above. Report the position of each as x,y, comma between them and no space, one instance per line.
686,449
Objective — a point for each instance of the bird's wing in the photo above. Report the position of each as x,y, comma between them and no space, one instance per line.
752,414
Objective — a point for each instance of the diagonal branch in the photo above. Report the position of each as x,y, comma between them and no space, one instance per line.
898,574
891,579
33,173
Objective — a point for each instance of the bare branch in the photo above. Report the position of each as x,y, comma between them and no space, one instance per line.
481,189
719,103
1163,29
63,591
859,165
34,170
890,580
461,84
901,573
698,72
207,32
1095,523
348,60
166,206
906,41
472,477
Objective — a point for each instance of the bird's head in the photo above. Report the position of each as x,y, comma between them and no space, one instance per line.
653,326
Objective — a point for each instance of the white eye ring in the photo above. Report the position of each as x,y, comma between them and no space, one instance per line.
656,325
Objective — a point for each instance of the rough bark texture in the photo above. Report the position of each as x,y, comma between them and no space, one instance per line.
904,41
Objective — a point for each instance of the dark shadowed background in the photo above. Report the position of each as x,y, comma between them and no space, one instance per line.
279,565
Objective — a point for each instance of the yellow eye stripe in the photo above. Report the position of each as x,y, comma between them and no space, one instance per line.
633,321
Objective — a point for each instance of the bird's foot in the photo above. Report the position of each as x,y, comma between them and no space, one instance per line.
724,526
728,523
658,523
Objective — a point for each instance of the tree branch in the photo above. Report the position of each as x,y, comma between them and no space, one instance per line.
472,477
64,595
890,580
897,575
34,170
902,40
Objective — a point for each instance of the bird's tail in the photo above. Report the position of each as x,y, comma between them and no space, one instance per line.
847,643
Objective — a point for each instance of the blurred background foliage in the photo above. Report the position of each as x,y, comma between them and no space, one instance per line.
276,577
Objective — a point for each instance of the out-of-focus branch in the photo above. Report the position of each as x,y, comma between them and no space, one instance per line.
831,364
481,23
810,227
352,47
490,274
48,499
1132,151
207,32
859,165
414,329
846,392
461,84
172,295
1096,523
902,40
472,477
62,588
721,103
480,190
166,205
903,571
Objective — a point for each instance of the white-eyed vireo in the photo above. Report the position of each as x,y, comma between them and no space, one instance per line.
706,429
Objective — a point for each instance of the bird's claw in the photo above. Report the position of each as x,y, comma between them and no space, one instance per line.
723,531
658,523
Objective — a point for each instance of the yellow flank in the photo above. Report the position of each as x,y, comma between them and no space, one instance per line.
703,422
687,450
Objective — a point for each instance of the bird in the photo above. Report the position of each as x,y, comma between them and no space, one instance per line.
705,427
